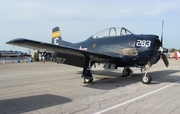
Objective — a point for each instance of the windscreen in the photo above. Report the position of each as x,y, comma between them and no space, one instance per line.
113,31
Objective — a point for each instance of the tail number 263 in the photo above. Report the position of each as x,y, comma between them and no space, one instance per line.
143,43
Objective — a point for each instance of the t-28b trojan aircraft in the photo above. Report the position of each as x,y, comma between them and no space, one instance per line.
115,47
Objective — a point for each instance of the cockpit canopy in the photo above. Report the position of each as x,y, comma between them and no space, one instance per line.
113,31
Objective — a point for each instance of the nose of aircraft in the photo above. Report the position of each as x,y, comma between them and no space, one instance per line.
160,49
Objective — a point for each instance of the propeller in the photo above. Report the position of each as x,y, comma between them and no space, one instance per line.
161,49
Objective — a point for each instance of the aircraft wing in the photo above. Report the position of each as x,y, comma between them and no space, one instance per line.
73,56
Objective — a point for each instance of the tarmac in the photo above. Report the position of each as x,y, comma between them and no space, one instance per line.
50,88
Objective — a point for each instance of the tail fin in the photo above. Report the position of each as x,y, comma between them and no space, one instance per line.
56,36
57,39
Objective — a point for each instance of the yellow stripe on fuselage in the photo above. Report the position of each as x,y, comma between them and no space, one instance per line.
56,34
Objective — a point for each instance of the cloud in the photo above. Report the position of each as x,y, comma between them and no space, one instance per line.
19,10
82,10
33,17
163,8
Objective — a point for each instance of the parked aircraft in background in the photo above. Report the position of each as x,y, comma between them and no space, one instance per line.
4,53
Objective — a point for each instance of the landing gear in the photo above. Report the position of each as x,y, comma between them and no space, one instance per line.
145,78
86,74
127,72
88,78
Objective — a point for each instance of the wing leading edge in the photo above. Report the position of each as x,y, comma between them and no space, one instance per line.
73,56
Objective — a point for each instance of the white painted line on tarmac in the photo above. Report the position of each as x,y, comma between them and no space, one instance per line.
126,102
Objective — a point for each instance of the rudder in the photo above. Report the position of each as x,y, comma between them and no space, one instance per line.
56,36
57,39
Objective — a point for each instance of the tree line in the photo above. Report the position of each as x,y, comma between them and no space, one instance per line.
172,50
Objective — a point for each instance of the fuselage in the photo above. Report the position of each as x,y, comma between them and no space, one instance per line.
118,42
133,49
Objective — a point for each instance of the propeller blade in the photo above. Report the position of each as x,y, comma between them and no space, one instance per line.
166,62
162,34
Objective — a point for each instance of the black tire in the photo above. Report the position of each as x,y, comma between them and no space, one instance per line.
88,80
146,79
126,72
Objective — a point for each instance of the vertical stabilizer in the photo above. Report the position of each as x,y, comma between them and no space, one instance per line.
56,36
57,39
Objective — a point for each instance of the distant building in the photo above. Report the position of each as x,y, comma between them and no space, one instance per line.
13,56
4,53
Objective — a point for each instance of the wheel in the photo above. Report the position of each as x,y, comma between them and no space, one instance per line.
126,72
88,80
146,79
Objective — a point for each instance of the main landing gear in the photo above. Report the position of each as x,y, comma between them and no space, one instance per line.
145,78
88,78
127,72
86,74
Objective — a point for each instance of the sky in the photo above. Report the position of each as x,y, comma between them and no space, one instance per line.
79,19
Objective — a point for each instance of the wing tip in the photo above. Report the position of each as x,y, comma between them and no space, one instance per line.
15,40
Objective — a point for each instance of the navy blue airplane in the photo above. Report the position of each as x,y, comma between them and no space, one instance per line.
115,47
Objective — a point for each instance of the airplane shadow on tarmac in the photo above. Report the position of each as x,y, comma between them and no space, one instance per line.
26,104
113,80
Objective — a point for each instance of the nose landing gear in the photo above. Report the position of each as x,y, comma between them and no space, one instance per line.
145,78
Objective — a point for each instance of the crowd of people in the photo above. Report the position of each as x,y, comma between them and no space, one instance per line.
6,60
